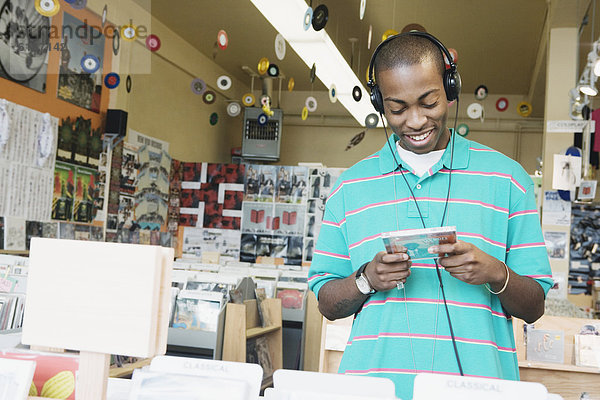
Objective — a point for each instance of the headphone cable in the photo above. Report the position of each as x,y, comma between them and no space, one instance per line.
437,267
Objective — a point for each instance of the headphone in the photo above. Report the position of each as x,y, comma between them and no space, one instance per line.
451,79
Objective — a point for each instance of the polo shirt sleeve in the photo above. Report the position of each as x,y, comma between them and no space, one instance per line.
526,249
331,258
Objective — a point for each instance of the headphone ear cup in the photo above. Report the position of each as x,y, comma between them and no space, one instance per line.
376,99
452,83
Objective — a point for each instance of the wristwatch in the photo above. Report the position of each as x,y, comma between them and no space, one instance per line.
362,283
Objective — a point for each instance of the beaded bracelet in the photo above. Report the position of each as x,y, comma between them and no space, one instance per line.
505,283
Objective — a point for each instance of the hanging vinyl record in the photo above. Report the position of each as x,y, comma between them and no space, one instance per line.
90,63
214,118
474,110
47,8
307,21
263,65
481,92
265,100
79,4
387,34
320,17
153,43
313,73
363,6
291,84
224,82
112,80
248,100
128,83
462,130
311,103
104,15
262,119
333,93
234,109
129,32
524,109
279,46
369,37
198,86
222,39
304,113
371,121
357,93
273,70
209,97
116,42
502,104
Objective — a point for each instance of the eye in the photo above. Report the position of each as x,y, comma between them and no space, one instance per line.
396,112
432,105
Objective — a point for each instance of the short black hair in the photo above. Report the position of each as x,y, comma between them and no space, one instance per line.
406,49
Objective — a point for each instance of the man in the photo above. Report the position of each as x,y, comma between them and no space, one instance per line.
497,269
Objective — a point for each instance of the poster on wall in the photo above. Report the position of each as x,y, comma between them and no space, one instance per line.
85,194
75,85
226,242
152,189
64,188
24,44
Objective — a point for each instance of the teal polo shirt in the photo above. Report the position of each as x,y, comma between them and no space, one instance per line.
400,333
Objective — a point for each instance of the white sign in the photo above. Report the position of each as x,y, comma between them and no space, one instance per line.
139,139
569,126
566,173
555,210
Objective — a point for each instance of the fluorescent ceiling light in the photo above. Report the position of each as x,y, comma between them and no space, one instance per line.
317,48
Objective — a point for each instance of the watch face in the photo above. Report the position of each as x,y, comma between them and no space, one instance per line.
363,284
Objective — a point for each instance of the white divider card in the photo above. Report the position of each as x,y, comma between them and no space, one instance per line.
437,386
218,372
15,378
329,385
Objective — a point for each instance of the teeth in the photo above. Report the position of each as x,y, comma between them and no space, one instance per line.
418,138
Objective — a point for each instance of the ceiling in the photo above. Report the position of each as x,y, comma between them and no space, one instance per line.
498,42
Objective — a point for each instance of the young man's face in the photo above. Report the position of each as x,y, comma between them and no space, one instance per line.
415,106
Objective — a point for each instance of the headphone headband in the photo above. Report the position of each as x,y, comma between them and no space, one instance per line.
452,82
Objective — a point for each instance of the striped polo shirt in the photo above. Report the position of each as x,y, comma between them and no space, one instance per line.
399,333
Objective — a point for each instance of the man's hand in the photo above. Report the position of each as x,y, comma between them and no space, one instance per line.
385,271
467,262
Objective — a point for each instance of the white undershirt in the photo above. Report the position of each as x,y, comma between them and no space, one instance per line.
420,163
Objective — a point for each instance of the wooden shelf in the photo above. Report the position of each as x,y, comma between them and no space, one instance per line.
128,369
558,367
258,331
15,252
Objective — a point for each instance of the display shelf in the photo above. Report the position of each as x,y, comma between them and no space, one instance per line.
558,367
258,331
197,339
127,369
15,252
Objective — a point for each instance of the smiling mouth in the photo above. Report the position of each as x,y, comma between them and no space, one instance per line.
420,138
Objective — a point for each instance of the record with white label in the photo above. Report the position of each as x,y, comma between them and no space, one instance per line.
462,129
265,100
357,93
129,32
307,21
224,82
311,104
280,46
47,8
233,109
248,100
273,70
481,92
371,120
90,63
222,39
153,43
198,86
262,119
333,93
502,104
475,110
320,17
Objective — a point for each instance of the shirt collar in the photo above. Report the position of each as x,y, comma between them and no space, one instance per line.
387,163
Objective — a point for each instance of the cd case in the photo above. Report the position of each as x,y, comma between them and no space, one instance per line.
417,241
